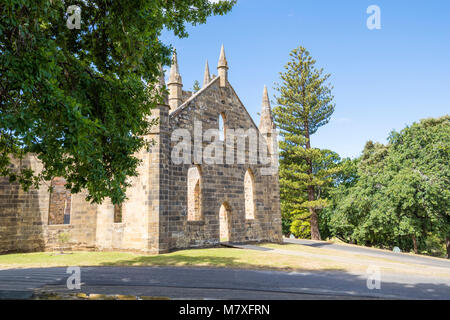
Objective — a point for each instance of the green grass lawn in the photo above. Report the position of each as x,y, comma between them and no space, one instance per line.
213,257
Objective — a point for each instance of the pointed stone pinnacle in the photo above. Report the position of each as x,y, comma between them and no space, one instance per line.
175,76
162,85
223,59
266,121
162,81
206,77
266,101
175,84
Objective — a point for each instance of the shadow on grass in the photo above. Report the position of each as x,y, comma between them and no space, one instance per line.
178,260
181,260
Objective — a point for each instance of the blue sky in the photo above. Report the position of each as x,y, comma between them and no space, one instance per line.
383,79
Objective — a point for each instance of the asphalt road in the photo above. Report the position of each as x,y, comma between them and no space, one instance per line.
213,283
401,257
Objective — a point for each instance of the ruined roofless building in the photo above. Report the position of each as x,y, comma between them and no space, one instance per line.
170,205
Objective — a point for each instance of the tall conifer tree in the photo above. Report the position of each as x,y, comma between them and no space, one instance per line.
304,105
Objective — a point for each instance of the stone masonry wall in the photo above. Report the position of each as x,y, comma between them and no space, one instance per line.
24,216
22,213
132,232
145,212
220,183
155,216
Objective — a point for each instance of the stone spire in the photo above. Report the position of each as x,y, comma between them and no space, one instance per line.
222,68
266,125
207,77
161,111
161,86
175,70
175,84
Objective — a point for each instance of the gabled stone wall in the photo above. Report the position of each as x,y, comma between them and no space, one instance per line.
220,183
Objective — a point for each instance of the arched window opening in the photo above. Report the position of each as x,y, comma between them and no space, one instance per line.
249,191
60,203
225,222
222,128
194,194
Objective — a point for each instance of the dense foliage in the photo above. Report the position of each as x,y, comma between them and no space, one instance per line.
398,194
79,98
295,214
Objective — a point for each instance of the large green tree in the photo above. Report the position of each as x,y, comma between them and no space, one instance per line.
79,98
359,209
401,196
346,178
419,180
304,105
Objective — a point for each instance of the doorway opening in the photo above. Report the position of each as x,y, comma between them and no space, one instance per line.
225,222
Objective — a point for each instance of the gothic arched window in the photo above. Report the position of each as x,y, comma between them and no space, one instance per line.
249,191
222,128
194,204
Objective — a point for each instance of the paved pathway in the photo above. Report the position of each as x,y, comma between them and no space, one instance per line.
212,283
361,259
20,283
401,257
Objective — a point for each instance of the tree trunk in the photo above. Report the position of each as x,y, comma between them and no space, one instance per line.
416,251
314,221
447,242
315,233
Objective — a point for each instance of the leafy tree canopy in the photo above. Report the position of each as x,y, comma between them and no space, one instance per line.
79,98
401,195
